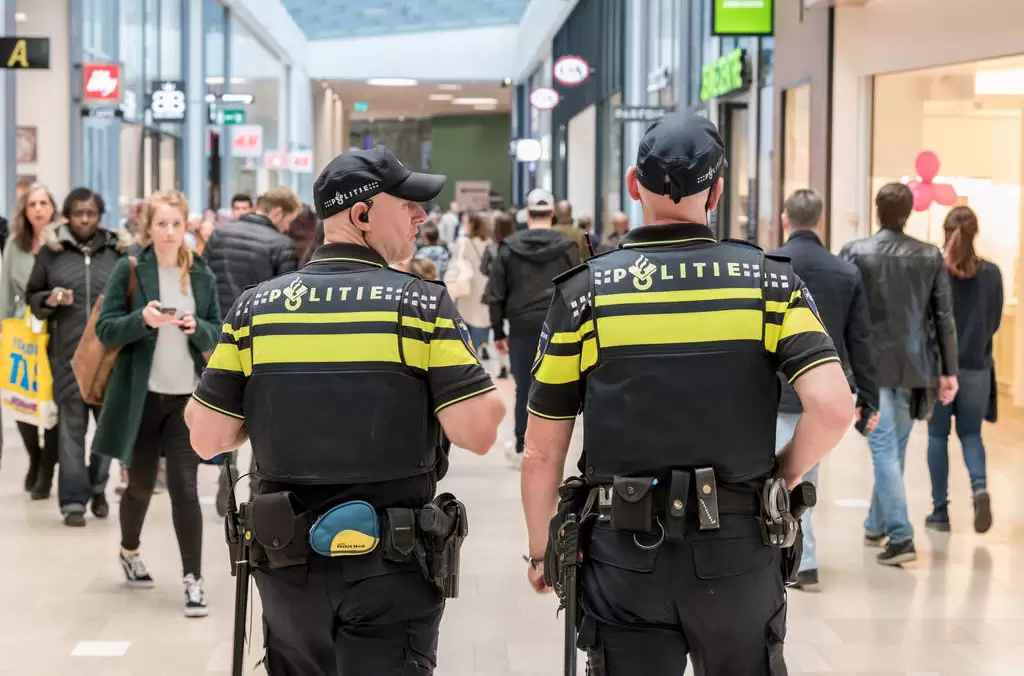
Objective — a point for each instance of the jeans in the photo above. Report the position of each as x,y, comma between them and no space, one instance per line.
969,407
76,483
522,352
888,444
163,429
479,335
785,425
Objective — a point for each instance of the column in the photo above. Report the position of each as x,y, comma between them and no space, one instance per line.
284,129
339,134
76,149
195,95
8,117
635,94
323,132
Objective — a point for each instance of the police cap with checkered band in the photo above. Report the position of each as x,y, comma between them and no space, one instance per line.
358,175
681,154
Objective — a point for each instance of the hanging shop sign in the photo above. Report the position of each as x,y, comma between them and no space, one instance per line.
101,83
247,140
301,161
527,149
640,113
742,18
724,75
167,101
230,116
242,99
25,53
544,98
658,80
275,159
571,70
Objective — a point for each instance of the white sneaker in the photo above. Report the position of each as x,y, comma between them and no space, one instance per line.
195,600
135,571
515,459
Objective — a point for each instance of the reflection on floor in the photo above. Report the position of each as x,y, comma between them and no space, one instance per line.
958,610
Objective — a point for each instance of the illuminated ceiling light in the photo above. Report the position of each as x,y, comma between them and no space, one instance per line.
449,87
238,80
487,107
469,101
20,17
214,80
999,82
440,97
392,82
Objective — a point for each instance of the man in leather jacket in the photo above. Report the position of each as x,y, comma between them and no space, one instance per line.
911,308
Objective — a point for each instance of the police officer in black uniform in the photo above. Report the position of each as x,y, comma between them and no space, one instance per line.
343,375
670,346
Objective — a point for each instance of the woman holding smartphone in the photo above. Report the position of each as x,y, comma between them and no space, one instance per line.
175,317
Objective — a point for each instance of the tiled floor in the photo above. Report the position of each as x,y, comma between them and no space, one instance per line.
958,610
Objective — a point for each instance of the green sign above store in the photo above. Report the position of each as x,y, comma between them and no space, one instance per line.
230,116
361,106
723,75
742,17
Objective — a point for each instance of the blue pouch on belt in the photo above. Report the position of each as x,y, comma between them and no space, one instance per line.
349,529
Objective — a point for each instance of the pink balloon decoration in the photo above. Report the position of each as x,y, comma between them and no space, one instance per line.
925,191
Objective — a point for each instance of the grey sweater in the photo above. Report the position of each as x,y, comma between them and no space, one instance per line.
14,274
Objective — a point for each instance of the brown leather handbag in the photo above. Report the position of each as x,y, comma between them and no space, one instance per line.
93,362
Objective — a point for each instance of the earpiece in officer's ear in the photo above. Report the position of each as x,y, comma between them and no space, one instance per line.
364,217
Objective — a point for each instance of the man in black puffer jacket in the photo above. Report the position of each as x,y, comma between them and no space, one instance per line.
245,253
914,332
69,275
838,292
254,248
519,289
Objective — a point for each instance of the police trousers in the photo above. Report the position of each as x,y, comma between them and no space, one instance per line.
351,616
715,597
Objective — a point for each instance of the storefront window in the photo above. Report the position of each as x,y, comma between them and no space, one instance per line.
736,125
769,233
970,116
612,171
796,156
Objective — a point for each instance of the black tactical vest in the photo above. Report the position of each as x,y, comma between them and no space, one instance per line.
331,399
683,379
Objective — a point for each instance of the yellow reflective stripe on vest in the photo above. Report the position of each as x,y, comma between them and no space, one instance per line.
675,296
227,357
680,328
235,333
326,349
323,317
570,337
438,353
416,323
800,320
558,370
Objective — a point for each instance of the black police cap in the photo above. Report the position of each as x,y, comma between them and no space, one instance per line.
358,175
681,154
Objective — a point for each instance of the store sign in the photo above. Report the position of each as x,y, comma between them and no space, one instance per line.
102,112
275,160
742,17
230,116
724,75
242,99
640,113
301,161
25,53
657,80
571,71
167,101
247,141
544,98
101,83
360,106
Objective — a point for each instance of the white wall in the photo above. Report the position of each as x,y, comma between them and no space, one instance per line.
461,55
272,23
44,96
540,22
581,160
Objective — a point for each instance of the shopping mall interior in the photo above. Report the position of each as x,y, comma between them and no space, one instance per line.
505,97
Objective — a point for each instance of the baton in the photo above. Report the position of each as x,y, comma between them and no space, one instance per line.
240,569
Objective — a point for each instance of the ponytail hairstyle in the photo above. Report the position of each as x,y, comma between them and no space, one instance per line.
961,227
176,201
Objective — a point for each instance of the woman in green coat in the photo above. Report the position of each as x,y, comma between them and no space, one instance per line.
175,318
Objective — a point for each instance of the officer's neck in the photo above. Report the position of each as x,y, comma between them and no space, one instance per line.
682,213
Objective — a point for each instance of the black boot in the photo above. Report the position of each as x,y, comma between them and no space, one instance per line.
30,437
47,465
33,469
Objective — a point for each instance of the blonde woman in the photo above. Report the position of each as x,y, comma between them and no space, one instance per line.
175,317
34,210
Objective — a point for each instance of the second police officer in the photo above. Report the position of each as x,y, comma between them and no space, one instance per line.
343,376
670,347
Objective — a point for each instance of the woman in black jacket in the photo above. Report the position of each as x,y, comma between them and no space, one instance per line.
977,307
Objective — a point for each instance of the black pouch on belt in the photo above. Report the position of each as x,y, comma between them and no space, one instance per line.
675,510
633,504
399,533
280,524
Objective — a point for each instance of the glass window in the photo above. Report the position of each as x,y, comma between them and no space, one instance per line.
737,183
170,40
169,163
796,154
132,59
612,172
769,233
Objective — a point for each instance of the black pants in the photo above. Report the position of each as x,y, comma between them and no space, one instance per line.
163,430
522,352
360,616
717,598
43,457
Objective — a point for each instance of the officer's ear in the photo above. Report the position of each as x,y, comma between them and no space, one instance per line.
716,193
632,186
359,216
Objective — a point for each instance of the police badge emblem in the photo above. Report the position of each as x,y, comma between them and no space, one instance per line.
809,299
467,340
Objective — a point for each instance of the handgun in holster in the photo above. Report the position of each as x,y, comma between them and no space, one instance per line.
443,525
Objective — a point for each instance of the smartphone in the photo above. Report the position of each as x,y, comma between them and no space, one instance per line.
865,416
168,310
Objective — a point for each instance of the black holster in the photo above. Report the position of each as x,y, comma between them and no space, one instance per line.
438,530
280,524
563,548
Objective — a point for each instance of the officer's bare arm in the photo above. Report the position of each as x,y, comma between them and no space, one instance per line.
828,412
473,423
213,433
547,445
